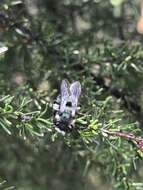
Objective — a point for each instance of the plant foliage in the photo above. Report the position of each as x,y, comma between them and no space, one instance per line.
96,43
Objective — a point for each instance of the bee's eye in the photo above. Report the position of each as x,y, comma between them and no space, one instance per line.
69,104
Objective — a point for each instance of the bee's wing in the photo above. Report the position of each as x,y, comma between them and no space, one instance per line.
75,90
64,94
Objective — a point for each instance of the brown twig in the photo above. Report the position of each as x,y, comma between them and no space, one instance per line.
138,141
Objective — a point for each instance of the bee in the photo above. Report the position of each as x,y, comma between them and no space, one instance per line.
65,106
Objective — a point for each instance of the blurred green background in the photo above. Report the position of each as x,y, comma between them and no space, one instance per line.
95,42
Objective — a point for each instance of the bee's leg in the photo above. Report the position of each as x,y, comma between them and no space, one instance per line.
72,125
56,104
59,131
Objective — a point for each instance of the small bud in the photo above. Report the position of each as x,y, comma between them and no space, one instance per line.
140,25
140,21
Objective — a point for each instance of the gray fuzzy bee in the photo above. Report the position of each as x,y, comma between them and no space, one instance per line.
65,106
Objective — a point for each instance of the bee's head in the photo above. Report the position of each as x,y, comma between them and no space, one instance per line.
66,115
